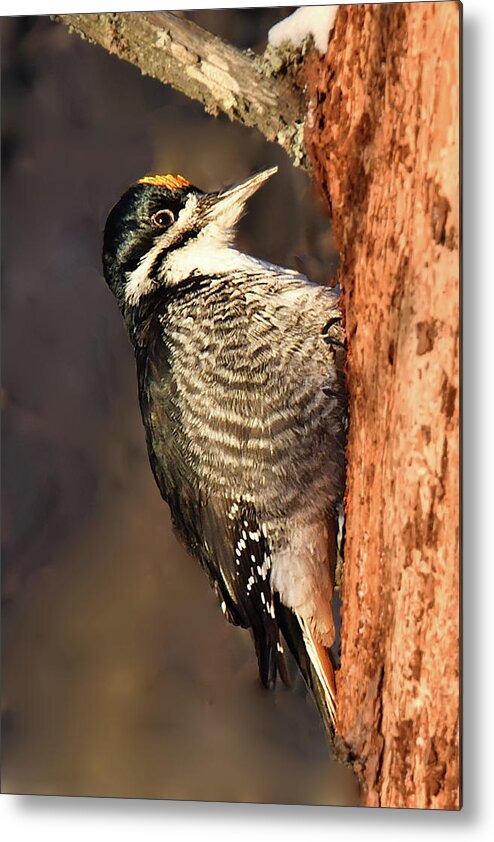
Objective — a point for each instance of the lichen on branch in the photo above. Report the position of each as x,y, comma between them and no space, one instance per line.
204,67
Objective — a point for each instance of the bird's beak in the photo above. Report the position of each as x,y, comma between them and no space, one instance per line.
229,204
245,189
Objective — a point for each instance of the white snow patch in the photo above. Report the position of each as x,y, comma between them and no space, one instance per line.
317,21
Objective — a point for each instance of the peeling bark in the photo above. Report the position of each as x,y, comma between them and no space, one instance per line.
383,136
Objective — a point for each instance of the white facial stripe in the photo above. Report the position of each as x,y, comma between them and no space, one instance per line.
210,252
225,215
207,254
138,281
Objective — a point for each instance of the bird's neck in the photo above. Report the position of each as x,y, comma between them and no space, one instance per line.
207,258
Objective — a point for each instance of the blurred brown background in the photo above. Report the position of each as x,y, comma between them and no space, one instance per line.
120,675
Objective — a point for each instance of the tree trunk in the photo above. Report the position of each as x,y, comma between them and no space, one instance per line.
383,135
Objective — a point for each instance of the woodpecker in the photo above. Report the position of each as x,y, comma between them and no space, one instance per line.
240,367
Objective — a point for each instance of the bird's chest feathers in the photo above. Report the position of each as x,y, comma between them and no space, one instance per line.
233,393
229,351
222,358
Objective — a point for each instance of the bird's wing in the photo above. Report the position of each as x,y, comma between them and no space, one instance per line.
237,555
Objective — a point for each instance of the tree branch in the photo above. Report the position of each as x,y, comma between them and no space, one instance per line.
203,67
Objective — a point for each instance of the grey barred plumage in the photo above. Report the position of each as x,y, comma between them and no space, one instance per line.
240,367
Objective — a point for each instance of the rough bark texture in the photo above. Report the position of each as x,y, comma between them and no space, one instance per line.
383,136
176,51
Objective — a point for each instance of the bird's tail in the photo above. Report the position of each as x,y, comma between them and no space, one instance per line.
322,676
314,662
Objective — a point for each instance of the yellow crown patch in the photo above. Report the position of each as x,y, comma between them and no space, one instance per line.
171,182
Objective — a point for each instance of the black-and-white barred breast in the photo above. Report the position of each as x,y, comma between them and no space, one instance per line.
258,389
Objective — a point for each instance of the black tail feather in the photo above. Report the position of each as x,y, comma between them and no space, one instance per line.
270,658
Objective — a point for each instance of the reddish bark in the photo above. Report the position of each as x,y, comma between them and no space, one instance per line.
383,136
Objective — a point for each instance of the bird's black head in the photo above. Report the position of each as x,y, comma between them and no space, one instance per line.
164,230
144,217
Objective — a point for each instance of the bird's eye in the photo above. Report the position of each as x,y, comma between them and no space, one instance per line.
163,218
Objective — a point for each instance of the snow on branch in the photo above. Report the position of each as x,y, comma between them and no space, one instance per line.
203,67
317,21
